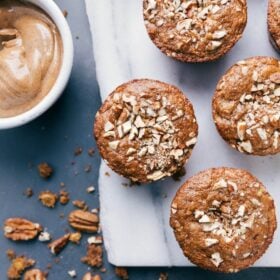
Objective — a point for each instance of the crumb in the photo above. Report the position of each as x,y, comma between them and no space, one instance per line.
91,152
72,273
61,215
48,198
65,13
44,236
45,170
10,254
125,184
28,192
121,273
103,269
62,184
78,151
18,266
90,189
107,174
94,256
88,168
81,204
94,211
163,276
64,197
75,237
178,175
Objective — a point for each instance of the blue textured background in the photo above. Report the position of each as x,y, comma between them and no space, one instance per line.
53,138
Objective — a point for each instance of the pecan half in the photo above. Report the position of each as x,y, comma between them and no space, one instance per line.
34,274
84,221
89,276
57,245
19,229
18,266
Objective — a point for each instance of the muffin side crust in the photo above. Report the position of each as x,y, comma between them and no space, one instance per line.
224,219
246,106
195,31
146,130
273,20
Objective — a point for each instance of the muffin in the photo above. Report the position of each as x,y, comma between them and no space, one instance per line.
273,20
224,219
246,106
195,30
146,130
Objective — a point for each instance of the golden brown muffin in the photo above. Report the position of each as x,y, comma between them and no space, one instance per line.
195,30
146,130
224,219
273,20
246,106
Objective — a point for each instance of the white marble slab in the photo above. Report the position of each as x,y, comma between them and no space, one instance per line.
135,220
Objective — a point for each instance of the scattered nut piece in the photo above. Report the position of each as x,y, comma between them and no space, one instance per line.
89,276
78,151
84,221
91,152
18,266
122,273
81,204
10,254
94,256
57,245
28,192
34,274
75,237
163,276
19,229
48,199
64,197
45,170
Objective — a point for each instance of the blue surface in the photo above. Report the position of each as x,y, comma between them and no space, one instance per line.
53,138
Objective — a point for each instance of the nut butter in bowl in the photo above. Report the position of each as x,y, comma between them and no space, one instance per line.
36,57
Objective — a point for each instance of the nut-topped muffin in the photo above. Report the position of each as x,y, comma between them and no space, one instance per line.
273,20
246,106
224,219
146,130
195,30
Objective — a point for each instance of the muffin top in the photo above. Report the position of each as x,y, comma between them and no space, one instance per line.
146,130
274,22
224,219
195,30
246,106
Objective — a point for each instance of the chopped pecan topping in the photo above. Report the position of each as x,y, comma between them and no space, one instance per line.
45,170
57,245
48,199
18,266
19,229
10,254
34,274
94,256
163,276
84,221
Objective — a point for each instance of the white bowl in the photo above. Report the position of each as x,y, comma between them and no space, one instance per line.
57,16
